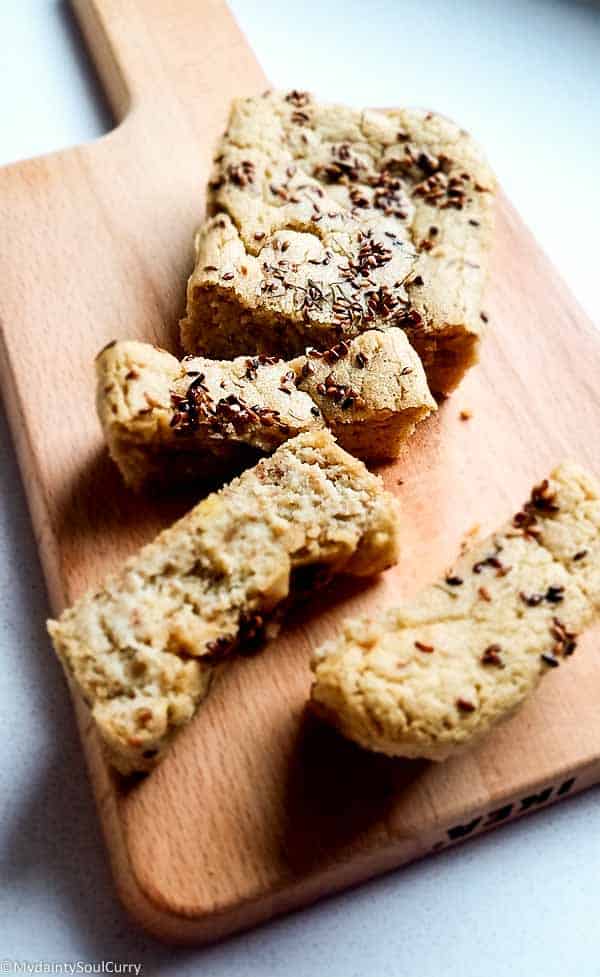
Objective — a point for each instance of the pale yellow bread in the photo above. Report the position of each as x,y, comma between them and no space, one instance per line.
173,422
142,649
431,677
325,221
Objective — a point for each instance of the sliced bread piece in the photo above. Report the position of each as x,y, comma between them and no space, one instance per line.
142,648
171,422
371,391
168,421
431,677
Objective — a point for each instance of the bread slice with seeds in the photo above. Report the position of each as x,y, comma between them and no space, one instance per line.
169,421
142,649
372,391
325,221
431,677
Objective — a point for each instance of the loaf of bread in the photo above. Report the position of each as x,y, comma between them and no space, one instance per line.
431,677
170,421
326,221
142,649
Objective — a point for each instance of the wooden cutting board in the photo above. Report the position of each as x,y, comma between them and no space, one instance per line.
257,808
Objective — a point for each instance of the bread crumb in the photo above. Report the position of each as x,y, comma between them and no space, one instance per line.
469,537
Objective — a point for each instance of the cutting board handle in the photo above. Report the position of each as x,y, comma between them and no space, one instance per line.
148,51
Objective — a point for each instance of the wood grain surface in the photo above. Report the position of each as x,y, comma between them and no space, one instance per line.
257,808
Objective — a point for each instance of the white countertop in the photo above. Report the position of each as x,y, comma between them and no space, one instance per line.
524,77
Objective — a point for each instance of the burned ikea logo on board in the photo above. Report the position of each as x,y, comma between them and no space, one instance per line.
513,809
